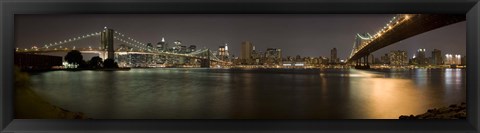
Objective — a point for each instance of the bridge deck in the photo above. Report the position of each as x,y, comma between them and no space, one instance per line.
418,24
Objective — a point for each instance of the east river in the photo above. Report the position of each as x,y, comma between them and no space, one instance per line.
186,93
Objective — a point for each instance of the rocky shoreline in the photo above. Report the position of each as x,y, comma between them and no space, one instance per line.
454,111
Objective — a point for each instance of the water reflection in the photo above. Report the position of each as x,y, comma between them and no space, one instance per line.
200,94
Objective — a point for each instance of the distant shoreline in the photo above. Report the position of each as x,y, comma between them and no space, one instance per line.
237,69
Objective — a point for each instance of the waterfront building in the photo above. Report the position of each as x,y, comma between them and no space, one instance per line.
398,58
138,60
436,57
453,59
333,56
273,56
312,62
288,64
289,58
420,58
298,58
246,52
258,57
323,60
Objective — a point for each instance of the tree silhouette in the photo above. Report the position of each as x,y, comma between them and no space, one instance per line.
95,62
110,63
83,64
74,57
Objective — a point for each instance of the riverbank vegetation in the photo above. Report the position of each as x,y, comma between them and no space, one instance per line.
75,58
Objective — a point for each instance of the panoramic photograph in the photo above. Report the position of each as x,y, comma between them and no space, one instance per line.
240,66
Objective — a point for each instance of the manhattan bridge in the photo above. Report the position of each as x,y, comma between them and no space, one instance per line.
400,27
128,46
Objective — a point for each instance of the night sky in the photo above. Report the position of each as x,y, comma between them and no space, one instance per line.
305,35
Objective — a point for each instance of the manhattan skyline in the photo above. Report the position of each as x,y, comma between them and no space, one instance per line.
305,35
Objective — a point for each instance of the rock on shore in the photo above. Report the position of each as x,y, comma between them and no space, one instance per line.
454,111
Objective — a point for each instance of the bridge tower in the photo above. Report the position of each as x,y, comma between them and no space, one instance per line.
107,44
205,63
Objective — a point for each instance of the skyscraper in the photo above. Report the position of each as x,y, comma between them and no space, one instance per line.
246,52
223,52
437,57
162,46
333,56
420,58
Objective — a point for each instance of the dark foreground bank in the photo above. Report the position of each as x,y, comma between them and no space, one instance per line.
454,111
29,105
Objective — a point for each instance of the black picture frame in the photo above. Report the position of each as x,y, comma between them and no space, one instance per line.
9,8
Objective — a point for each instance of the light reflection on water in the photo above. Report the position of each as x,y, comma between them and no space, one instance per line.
199,94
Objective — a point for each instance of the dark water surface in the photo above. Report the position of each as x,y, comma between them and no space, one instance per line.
185,93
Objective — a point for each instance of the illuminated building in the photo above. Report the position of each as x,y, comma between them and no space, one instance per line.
273,56
453,59
177,47
223,53
420,58
398,58
162,46
246,52
258,57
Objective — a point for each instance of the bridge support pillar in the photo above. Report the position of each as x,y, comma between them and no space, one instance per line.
107,43
205,63
362,63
